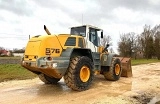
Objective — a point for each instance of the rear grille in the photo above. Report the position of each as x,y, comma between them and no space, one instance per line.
71,41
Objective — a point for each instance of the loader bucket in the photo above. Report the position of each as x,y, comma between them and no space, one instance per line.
126,67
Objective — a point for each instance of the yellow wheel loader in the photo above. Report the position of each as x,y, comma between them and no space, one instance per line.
76,57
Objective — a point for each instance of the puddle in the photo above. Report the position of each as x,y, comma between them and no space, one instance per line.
49,90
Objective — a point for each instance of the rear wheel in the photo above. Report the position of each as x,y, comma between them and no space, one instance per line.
79,74
115,70
48,80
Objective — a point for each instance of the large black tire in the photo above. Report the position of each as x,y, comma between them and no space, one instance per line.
48,80
115,70
79,75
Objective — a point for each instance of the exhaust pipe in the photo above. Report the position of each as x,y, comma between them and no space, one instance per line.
46,29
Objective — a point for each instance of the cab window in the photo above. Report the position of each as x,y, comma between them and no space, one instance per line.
93,36
81,31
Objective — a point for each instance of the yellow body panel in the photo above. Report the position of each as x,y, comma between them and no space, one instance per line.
33,45
47,45
42,46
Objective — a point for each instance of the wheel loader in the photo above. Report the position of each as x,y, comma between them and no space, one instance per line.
77,57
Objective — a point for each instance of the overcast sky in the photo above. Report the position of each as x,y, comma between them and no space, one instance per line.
21,18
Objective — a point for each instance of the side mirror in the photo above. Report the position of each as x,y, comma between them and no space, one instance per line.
101,34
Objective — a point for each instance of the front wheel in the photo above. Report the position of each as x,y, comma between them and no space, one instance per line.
79,74
115,70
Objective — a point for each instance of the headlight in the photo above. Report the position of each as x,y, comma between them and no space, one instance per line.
49,58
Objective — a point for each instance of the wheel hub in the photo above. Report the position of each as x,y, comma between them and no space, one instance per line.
117,69
84,74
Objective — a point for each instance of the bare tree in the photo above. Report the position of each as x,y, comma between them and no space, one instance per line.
147,42
126,45
137,47
156,32
106,40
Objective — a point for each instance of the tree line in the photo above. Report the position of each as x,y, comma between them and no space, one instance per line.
147,43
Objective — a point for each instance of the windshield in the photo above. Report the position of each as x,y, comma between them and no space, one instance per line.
81,31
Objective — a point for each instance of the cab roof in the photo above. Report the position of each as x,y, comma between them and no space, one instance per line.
89,26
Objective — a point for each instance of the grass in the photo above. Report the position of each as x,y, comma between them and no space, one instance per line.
14,72
143,61
18,57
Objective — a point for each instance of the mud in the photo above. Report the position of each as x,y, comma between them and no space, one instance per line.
142,88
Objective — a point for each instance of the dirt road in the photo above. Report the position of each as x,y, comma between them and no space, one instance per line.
143,87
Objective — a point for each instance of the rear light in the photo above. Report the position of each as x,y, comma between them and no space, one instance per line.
49,58
35,57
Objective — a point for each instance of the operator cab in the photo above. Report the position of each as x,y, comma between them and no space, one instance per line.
91,35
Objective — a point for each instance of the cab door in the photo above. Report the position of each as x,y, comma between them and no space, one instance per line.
92,41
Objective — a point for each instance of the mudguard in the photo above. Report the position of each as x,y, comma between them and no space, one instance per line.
106,59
